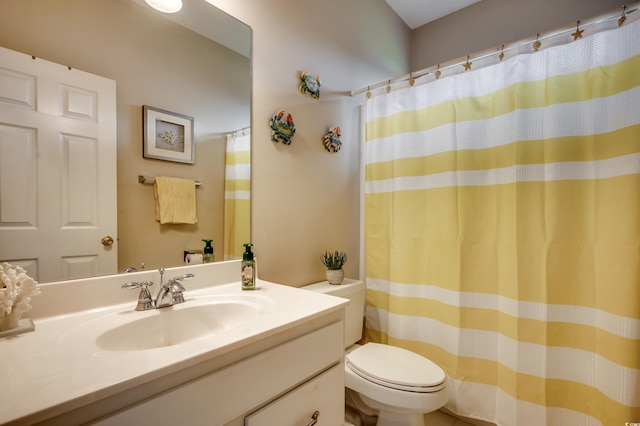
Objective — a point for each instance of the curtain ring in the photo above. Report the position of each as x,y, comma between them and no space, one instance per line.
368,92
537,44
412,81
388,86
438,72
501,56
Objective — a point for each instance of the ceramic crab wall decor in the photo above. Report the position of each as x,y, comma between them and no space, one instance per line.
309,85
331,140
282,130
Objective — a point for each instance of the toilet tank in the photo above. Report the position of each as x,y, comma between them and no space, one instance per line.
354,290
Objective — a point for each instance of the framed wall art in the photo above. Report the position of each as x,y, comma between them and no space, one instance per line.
168,136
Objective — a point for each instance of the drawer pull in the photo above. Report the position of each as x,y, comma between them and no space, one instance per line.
314,418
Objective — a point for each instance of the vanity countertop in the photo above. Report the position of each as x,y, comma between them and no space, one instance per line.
51,371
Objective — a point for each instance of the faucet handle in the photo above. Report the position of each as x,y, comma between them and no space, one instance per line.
136,284
145,301
181,277
177,290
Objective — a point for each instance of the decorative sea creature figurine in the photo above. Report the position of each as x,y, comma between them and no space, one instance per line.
16,290
282,130
309,85
331,140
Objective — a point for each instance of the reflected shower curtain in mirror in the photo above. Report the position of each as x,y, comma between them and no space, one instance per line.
237,194
502,231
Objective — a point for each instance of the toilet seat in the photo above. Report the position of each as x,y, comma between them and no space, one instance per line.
396,368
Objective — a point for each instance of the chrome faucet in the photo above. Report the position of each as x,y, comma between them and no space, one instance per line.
133,268
169,294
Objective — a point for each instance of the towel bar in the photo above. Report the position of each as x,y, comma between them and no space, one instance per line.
146,179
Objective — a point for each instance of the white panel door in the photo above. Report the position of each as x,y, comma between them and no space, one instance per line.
57,169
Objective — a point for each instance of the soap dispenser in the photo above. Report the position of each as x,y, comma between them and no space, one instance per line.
248,272
208,256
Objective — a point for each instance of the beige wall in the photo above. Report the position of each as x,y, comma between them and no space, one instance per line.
147,58
491,23
306,200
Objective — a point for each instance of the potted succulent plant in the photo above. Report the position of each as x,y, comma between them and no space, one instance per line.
334,262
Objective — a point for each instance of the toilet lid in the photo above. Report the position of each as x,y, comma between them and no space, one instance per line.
395,367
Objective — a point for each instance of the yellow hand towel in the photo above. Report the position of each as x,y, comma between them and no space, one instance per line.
175,200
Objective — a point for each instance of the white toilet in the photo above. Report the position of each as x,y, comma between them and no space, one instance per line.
399,385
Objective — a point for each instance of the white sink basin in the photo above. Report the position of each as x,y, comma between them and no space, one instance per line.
199,317
170,326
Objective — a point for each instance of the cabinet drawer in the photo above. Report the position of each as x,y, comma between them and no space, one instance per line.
323,395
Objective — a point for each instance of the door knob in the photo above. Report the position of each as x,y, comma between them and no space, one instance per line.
107,241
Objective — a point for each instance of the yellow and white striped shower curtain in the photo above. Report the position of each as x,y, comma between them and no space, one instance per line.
502,231
237,194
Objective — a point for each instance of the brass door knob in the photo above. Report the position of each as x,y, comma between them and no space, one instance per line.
107,241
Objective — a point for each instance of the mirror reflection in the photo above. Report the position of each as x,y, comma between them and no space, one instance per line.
201,72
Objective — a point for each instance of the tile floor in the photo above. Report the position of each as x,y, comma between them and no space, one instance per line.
441,418
438,418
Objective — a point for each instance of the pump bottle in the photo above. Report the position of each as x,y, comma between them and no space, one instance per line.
208,255
248,271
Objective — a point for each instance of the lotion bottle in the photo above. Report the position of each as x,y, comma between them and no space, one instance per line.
248,269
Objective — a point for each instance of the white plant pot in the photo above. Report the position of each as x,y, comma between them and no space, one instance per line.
335,276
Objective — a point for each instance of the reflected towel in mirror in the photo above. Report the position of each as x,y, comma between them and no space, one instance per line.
175,200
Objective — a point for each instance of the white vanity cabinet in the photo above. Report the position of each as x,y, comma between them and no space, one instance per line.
282,385
289,354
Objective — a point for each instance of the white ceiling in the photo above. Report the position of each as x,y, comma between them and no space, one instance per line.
416,13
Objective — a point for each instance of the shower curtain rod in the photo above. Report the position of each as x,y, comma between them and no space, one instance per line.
501,49
235,132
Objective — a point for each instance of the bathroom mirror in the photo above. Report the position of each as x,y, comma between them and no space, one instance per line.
194,63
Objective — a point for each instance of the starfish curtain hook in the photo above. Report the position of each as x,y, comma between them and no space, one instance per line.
578,33
467,65
622,17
